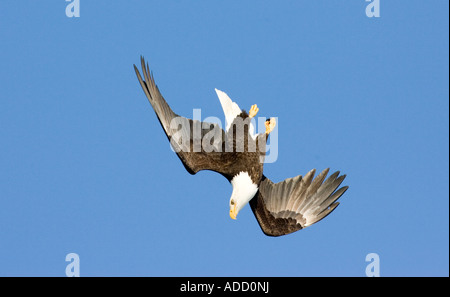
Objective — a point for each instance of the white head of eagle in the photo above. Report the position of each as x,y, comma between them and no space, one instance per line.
243,190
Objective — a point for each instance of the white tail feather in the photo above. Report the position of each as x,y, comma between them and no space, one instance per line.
230,108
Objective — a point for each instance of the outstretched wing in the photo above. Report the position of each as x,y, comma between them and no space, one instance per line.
297,202
189,138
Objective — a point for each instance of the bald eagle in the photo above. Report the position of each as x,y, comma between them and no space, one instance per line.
237,153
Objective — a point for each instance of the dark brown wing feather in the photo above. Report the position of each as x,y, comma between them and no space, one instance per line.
296,203
185,135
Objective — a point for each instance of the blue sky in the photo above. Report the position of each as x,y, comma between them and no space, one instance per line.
87,169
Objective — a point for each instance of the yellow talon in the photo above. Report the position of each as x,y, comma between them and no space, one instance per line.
270,125
253,111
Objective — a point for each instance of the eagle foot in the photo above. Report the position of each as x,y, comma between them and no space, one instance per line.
253,111
270,125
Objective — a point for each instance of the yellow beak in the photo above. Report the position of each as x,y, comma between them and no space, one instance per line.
233,212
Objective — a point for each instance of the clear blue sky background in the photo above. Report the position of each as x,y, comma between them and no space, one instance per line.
85,167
